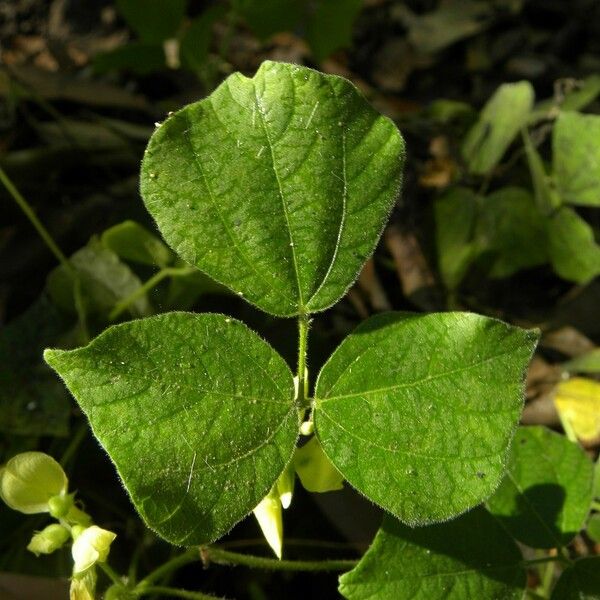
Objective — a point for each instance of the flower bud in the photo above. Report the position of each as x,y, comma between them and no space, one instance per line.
83,586
49,539
268,515
285,486
59,506
92,545
29,480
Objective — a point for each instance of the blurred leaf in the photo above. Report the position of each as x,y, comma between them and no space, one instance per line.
185,289
547,198
315,470
512,227
580,581
453,21
586,363
32,400
330,26
578,403
266,17
545,497
593,527
140,58
153,20
195,41
131,241
469,557
576,158
499,123
105,280
584,93
456,214
572,247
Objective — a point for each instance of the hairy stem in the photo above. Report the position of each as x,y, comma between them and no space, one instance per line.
224,557
302,373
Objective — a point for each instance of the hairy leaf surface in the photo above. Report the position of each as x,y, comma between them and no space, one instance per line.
276,186
197,413
417,411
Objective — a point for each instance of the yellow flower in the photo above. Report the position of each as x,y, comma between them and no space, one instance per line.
92,545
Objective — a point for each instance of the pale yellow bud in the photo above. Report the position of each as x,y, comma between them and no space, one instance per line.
29,480
49,539
268,515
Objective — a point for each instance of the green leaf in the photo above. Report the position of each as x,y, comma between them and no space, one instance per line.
499,123
573,250
153,20
511,226
277,186
456,214
130,241
545,496
469,557
576,158
266,17
32,400
104,281
581,581
197,413
417,411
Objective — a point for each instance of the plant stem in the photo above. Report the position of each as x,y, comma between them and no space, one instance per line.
302,373
169,592
124,304
189,556
73,445
224,557
545,559
111,573
30,214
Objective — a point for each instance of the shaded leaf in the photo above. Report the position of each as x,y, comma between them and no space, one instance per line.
469,557
276,186
456,214
195,42
153,21
32,400
131,241
219,421
581,581
417,411
545,497
499,123
512,227
140,58
576,158
573,250
104,281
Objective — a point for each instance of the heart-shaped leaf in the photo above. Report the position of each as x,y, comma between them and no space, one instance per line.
417,411
581,581
546,494
196,411
276,186
470,557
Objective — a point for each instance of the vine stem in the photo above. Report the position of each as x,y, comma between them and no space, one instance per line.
189,556
111,573
545,559
302,373
169,592
33,219
225,557
124,304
